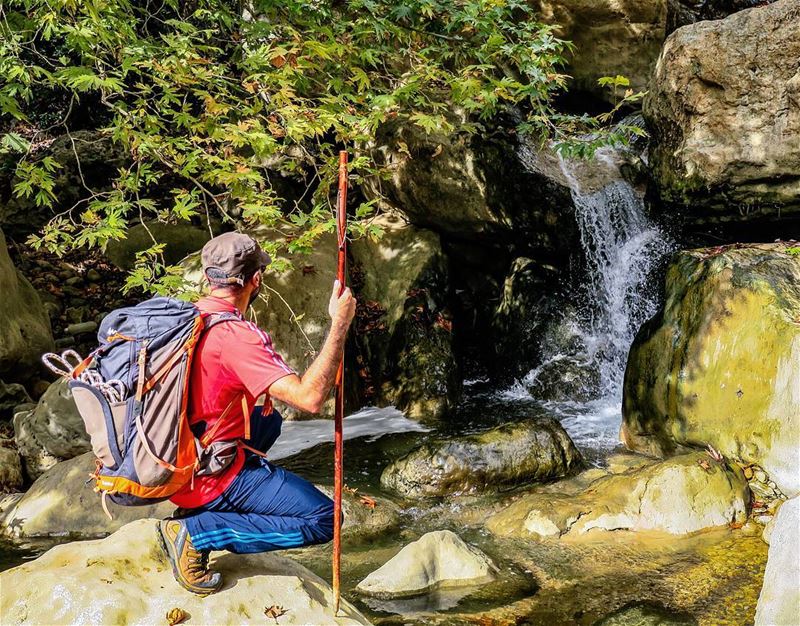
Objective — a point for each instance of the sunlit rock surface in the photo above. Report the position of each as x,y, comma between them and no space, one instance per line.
51,432
437,559
724,115
62,503
126,579
720,363
24,325
681,495
514,453
779,602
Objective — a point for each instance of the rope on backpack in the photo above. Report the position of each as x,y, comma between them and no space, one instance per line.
114,390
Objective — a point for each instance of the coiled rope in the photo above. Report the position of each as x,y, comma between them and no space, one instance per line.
64,365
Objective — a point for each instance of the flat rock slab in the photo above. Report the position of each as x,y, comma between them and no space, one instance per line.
678,496
437,559
125,579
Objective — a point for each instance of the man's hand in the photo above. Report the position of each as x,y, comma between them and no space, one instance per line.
342,308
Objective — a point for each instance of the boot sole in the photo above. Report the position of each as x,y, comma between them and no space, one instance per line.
173,563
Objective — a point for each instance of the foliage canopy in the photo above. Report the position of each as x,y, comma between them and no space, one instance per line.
215,101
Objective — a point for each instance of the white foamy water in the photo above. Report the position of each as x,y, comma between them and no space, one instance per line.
622,248
297,436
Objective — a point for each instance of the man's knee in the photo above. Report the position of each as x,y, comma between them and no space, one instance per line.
325,522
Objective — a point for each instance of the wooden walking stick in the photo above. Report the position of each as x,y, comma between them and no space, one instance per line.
338,450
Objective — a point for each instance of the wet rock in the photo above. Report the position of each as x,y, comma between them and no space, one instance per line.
437,559
93,276
138,586
11,478
610,38
725,138
52,432
408,349
24,324
779,602
515,453
526,305
719,364
61,503
365,516
487,187
677,496
11,396
646,614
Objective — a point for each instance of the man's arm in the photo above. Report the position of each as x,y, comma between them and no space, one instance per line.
309,392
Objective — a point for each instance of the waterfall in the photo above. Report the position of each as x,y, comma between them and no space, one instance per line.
584,355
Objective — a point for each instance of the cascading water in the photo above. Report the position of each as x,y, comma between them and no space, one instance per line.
588,348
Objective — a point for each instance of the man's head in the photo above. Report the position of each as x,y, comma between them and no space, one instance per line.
233,263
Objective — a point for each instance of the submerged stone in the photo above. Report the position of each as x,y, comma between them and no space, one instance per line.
437,559
514,453
126,579
677,496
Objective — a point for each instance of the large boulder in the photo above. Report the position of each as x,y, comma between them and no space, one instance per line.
24,324
720,363
683,12
126,579
179,240
677,496
408,349
62,503
437,559
610,38
779,601
724,115
490,187
51,432
511,454
11,477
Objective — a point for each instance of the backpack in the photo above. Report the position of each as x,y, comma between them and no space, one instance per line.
132,393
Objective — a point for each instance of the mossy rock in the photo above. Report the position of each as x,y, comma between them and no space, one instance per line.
512,454
720,363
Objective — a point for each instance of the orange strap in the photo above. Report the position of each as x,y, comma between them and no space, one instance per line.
209,434
242,444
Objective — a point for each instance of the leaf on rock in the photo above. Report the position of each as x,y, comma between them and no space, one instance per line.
176,616
275,611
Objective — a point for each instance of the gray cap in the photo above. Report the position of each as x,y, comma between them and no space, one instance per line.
231,258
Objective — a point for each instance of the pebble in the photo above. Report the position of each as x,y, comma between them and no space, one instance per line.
83,327
93,276
760,476
66,274
75,280
748,472
64,342
75,315
69,290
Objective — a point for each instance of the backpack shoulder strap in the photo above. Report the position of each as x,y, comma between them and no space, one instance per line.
212,319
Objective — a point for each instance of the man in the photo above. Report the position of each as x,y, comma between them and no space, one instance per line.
250,505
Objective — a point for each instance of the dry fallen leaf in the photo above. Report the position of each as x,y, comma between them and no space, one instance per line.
176,616
736,525
704,464
275,611
367,501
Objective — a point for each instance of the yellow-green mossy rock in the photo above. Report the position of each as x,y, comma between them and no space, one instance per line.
126,579
677,496
720,363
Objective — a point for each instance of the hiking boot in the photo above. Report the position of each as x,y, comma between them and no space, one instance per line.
189,565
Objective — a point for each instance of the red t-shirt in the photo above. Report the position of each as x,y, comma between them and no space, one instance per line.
232,358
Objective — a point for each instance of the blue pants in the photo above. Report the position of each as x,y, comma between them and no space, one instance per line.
265,507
